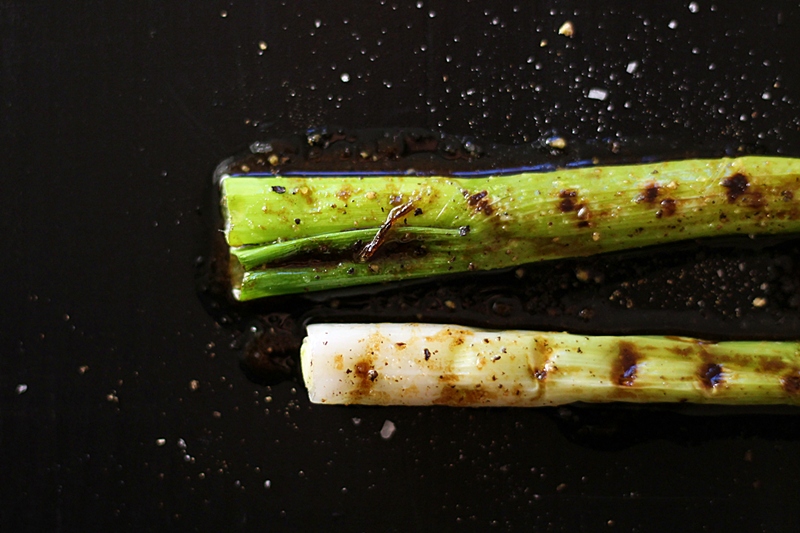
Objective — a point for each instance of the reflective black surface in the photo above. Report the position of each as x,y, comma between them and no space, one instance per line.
122,400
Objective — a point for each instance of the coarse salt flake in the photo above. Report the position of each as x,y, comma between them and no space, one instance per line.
388,430
598,94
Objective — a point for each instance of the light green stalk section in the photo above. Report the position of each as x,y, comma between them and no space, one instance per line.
297,234
430,364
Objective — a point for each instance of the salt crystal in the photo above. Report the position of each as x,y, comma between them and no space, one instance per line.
388,430
598,94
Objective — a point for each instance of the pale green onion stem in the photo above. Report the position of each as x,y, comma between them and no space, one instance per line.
430,364
298,234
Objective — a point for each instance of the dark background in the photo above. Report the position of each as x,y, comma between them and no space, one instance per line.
122,404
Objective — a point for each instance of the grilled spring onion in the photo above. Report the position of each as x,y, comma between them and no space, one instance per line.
298,234
428,364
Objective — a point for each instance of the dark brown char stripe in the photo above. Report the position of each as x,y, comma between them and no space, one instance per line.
791,382
711,375
625,366
737,186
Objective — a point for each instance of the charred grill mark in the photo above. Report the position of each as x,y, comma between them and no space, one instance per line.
737,186
625,367
649,194
711,375
379,239
791,382
567,204
480,202
477,197
668,208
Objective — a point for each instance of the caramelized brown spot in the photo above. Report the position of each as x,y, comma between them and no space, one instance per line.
737,185
543,347
754,200
710,375
771,365
624,370
449,378
453,395
453,335
787,196
362,367
681,351
791,382
365,376
668,208
622,393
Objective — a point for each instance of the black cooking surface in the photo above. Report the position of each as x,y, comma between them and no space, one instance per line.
129,398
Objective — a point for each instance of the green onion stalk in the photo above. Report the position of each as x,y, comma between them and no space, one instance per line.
293,234
431,364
